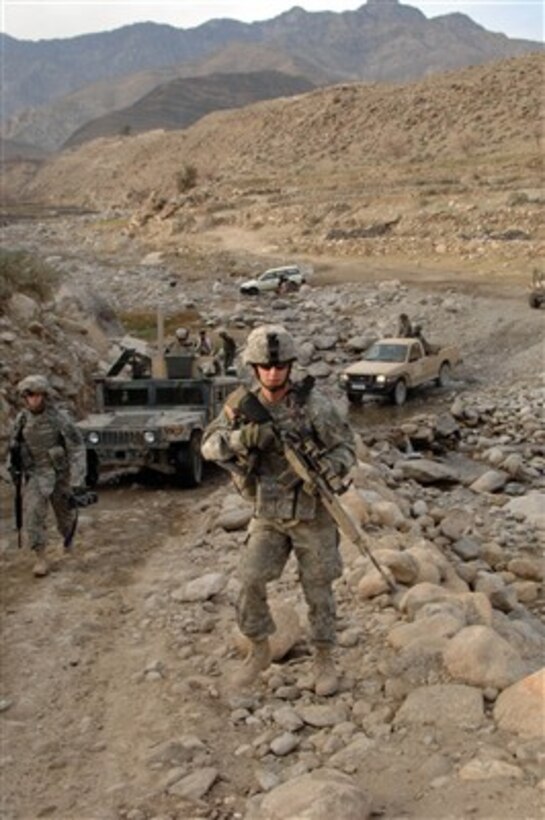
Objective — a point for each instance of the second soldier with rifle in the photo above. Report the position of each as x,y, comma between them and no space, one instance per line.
47,459
289,516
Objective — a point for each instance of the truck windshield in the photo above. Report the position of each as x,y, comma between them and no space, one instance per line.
386,353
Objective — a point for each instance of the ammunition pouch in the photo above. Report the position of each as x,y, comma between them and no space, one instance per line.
58,459
243,477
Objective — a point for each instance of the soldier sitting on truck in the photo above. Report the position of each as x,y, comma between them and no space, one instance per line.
404,328
429,349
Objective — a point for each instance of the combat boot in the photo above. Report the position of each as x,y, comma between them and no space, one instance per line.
326,681
40,568
258,659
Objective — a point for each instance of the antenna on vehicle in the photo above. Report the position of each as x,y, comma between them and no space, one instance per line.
158,364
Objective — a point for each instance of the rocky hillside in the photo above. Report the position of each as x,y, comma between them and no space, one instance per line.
445,166
381,41
181,102
49,126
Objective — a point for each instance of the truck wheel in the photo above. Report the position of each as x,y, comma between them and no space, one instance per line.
252,292
189,462
399,395
533,301
443,378
354,398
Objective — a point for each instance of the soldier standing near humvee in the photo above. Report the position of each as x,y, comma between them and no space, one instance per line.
228,349
46,451
288,515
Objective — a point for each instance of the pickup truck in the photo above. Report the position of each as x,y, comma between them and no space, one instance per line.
391,367
291,276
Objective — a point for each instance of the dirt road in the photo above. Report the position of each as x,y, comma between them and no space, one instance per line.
113,686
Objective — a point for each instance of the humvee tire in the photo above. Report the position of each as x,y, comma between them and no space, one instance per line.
189,465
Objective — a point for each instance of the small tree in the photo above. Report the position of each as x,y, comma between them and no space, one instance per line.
186,178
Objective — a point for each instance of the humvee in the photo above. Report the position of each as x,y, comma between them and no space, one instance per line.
153,422
536,297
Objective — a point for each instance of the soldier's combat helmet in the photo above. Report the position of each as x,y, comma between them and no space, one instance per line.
269,345
34,384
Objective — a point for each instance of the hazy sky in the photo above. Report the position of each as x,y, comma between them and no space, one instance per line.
49,19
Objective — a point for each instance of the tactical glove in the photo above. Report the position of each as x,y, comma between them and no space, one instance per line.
255,436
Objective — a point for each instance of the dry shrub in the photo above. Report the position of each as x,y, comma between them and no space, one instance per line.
186,178
23,272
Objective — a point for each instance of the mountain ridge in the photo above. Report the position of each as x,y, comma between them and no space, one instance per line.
351,45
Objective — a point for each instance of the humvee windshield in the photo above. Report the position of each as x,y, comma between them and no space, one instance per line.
175,394
153,395
125,396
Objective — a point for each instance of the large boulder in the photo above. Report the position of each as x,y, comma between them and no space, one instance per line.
521,707
323,794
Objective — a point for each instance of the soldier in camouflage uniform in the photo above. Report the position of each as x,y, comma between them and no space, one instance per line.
228,349
52,458
288,516
404,329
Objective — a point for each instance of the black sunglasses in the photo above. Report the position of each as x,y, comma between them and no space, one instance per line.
278,366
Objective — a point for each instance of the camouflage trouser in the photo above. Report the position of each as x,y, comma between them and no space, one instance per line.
269,544
41,488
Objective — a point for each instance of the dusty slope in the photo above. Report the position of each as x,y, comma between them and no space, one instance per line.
489,116
446,171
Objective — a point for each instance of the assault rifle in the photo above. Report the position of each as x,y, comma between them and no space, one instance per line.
16,472
306,460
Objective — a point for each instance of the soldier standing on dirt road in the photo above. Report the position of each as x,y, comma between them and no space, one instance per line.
47,448
286,516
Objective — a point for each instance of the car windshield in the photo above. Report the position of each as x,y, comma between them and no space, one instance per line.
386,353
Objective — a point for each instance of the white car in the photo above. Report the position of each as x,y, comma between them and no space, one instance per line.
271,280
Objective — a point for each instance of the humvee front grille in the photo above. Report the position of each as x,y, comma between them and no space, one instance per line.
121,438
